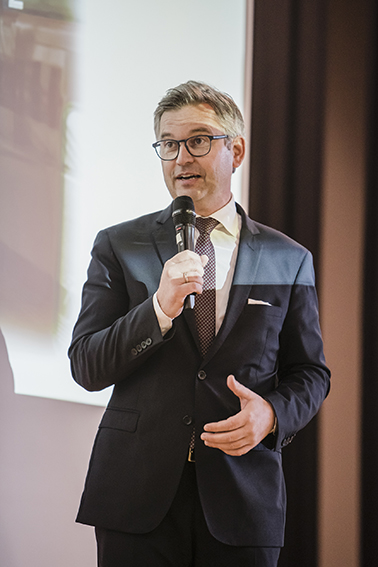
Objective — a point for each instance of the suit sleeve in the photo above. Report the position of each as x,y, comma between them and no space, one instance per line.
303,377
114,335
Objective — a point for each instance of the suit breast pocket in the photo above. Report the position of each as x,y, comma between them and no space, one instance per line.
264,309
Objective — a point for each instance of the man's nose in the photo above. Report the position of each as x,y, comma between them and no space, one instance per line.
183,156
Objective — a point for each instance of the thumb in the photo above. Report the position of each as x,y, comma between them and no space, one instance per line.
204,260
242,392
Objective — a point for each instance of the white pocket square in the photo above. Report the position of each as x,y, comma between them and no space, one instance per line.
258,302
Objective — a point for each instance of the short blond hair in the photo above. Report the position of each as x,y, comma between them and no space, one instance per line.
194,93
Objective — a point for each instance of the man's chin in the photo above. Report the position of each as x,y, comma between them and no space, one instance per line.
190,191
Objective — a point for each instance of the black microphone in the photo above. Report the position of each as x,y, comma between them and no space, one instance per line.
184,220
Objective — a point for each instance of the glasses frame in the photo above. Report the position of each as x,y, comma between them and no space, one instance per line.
155,145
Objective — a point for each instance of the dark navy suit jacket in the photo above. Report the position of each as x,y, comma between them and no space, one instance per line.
163,386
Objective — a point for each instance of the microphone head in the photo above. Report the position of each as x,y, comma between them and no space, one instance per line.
183,211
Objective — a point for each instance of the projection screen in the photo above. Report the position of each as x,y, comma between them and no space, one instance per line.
78,87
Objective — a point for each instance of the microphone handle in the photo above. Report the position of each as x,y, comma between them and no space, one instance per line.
189,301
189,236
189,240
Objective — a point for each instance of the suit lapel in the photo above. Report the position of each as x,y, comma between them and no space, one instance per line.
163,236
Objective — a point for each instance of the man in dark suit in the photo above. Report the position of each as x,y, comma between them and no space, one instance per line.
186,467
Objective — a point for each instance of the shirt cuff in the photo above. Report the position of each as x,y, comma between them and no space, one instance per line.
164,321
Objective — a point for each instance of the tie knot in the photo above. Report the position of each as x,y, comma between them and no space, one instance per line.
205,225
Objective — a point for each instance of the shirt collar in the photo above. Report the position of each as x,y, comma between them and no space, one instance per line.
228,217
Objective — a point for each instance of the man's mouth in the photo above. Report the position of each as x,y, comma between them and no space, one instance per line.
186,176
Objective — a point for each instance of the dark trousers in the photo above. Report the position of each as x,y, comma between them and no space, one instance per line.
181,540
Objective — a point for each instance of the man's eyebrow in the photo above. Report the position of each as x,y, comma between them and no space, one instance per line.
201,129
193,132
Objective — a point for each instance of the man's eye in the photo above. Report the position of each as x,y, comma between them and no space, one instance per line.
197,142
169,145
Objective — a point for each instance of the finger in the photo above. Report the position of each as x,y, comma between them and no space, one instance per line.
236,449
191,277
228,446
184,272
230,424
188,271
204,260
239,389
187,256
232,438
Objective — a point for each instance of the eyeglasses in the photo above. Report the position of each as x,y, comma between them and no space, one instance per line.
197,146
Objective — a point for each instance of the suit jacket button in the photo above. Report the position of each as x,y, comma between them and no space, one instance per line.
187,420
134,351
201,375
148,341
139,348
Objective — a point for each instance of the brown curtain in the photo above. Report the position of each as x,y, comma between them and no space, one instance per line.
369,461
285,192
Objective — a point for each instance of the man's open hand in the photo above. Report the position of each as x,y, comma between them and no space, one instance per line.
243,431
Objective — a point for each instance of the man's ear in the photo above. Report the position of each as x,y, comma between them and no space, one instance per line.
238,149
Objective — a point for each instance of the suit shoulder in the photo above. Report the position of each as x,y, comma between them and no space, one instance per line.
138,229
277,238
282,258
137,225
270,236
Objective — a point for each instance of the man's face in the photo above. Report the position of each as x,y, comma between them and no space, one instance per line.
206,179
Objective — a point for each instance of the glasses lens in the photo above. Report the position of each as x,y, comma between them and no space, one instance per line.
168,149
198,145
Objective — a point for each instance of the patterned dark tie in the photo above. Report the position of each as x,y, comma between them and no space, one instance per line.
204,306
